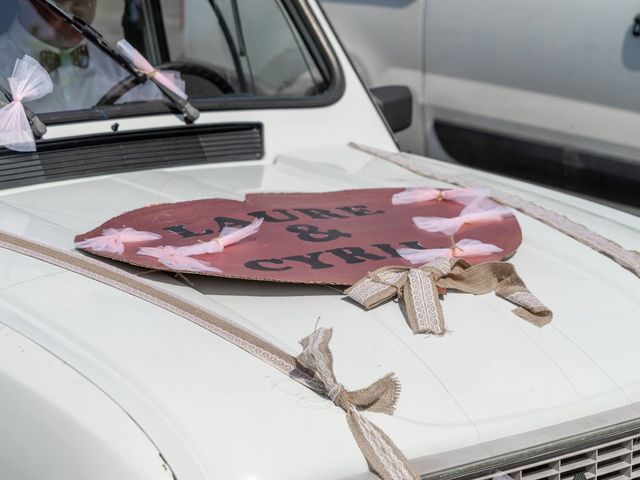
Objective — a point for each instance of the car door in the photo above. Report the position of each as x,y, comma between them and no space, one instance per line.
552,88
385,41
545,90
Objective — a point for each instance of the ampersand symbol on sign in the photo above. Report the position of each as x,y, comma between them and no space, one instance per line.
311,233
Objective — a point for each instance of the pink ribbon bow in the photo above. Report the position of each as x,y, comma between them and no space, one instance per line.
179,258
479,210
176,259
113,239
420,194
143,66
463,249
29,81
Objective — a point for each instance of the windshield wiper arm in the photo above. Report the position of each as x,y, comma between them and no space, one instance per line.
190,112
235,56
37,127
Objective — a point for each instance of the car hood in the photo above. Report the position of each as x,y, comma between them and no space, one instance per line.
216,412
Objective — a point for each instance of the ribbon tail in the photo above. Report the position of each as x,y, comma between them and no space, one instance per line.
375,288
229,236
381,396
423,304
530,308
414,195
502,278
382,455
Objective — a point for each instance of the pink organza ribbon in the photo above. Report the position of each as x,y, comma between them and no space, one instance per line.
180,258
420,194
463,249
143,65
480,210
113,239
29,81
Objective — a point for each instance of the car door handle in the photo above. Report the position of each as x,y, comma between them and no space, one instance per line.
636,26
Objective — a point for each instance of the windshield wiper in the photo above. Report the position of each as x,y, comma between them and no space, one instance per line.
37,127
233,50
190,112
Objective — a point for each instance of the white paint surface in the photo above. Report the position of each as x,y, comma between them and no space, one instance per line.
216,412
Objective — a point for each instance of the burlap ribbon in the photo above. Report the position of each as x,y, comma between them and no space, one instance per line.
418,288
383,456
314,367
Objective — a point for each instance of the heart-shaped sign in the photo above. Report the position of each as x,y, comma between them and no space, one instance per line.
329,237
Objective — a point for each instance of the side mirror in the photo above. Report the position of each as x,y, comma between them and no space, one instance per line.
396,104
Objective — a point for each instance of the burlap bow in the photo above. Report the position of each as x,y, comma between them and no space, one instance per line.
418,287
383,456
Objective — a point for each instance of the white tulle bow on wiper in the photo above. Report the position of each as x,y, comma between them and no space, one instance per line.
29,81
481,210
180,258
143,66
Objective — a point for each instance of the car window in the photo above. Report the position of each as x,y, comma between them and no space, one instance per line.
219,48
80,71
252,44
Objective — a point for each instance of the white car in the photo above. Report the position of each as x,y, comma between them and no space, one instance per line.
546,90
99,383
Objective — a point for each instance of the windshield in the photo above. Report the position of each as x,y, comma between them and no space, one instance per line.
214,49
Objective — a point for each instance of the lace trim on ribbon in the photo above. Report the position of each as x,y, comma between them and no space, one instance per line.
418,288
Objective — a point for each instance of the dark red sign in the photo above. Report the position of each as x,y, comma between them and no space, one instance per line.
330,237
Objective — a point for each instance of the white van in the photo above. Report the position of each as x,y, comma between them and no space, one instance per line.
541,90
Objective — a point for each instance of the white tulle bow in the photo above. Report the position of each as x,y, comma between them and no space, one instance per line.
463,249
480,210
143,65
420,194
29,81
180,258
176,259
113,239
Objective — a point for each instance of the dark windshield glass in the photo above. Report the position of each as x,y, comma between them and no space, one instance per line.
81,73
252,44
217,48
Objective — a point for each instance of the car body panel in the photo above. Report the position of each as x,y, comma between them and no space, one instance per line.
557,74
216,412
57,425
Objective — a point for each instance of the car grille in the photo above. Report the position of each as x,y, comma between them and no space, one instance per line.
615,460
92,155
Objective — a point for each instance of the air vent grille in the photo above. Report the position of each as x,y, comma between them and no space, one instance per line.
635,458
546,471
616,460
125,152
